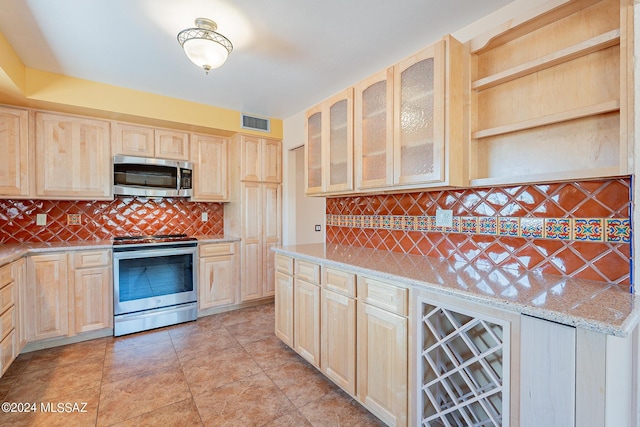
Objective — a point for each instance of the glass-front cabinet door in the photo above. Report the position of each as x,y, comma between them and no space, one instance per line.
419,117
329,147
313,151
373,142
339,142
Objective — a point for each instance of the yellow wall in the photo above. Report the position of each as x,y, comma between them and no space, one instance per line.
24,86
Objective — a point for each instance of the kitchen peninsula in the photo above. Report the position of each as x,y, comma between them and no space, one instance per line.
537,348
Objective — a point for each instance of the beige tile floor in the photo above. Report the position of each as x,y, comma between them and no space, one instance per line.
227,369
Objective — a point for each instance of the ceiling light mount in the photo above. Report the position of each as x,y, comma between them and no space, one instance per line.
204,46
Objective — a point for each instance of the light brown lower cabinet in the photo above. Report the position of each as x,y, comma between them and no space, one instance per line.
306,321
8,318
92,290
338,332
284,307
338,329
382,349
48,289
71,292
19,274
217,275
357,339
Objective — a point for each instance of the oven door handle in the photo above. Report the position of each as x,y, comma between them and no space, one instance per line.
146,253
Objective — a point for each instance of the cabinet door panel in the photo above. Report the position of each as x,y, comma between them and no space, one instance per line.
73,157
548,373
419,115
132,140
272,202
14,162
284,307
338,335
251,158
338,134
252,270
48,289
272,161
313,152
19,274
373,142
93,299
216,282
382,363
306,323
268,282
171,144
210,168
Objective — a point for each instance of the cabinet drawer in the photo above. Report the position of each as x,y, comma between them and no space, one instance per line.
8,346
308,271
284,264
86,259
339,281
216,249
5,275
384,295
6,297
7,322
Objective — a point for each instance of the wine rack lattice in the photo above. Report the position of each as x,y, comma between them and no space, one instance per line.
463,368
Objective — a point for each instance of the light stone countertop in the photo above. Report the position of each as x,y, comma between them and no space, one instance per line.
597,306
12,252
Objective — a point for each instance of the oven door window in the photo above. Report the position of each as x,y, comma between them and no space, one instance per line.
141,278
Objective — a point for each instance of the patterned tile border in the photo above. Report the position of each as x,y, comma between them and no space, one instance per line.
581,229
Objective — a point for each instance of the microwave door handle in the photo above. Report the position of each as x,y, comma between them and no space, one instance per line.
179,180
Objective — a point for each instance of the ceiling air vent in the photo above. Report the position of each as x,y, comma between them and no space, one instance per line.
256,123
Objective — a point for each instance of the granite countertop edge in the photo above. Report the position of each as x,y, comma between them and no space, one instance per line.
622,327
12,252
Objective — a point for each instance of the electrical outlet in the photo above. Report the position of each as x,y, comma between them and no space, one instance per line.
204,217
444,218
318,228
41,219
74,219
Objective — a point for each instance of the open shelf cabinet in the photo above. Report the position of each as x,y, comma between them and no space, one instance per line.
550,95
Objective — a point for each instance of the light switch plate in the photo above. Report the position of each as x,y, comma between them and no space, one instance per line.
204,217
444,218
41,219
318,228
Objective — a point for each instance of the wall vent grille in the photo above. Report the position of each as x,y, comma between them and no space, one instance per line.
255,123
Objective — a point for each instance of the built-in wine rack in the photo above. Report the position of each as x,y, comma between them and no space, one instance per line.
464,367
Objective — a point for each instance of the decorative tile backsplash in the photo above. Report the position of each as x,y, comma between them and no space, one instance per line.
584,229
98,220
576,229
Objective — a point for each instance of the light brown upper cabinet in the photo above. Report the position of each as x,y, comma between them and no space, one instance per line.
418,116
329,149
551,95
407,126
73,158
374,131
135,140
14,162
210,163
261,159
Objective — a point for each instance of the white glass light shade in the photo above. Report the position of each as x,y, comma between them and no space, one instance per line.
203,46
205,53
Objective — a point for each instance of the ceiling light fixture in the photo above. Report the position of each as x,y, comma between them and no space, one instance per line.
204,47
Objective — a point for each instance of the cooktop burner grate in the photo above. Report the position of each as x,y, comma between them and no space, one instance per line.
162,238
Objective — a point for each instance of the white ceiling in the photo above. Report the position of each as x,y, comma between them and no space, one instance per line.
288,54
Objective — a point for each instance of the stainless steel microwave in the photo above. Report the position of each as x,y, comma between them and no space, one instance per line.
151,177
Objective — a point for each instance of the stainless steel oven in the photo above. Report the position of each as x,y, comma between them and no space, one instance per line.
155,282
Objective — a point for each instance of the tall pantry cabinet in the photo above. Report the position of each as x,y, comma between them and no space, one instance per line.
254,212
